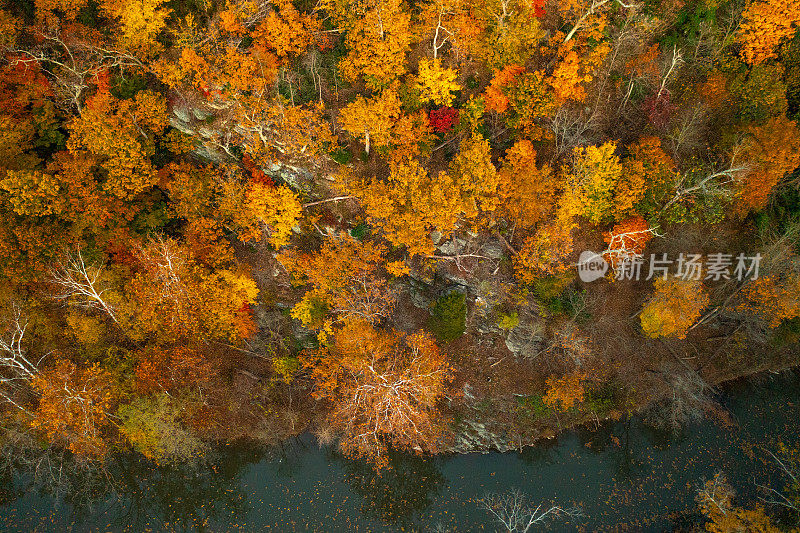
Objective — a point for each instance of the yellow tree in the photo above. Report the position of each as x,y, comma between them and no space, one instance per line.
140,23
378,34
69,9
436,83
675,305
410,204
498,32
591,181
372,119
475,176
715,499
121,133
348,280
276,132
256,210
33,193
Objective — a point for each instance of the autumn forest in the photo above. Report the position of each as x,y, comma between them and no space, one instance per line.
228,220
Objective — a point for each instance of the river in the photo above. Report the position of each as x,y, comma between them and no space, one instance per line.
624,476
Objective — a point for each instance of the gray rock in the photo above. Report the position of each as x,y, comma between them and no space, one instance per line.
199,114
449,247
419,296
525,339
493,249
180,125
182,113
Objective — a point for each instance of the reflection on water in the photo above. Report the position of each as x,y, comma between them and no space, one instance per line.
398,493
624,476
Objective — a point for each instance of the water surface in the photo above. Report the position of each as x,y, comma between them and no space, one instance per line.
625,476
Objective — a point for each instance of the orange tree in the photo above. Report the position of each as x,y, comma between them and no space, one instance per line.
346,279
383,387
765,24
770,151
75,406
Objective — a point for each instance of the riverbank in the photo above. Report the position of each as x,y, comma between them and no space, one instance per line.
625,476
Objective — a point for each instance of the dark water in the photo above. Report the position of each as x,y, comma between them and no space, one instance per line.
624,476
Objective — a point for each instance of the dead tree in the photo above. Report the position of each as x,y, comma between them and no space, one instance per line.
80,284
513,511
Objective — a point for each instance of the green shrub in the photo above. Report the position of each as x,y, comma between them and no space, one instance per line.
532,406
600,400
787,333
286,367
449,316
508,321
551,287
153,427
341,155
359,231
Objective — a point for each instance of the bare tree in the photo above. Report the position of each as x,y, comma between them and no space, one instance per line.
717,183
168,264
571,127
441,35
787,461
623,247
688,399
80,284
596,4
71,63
715,495
14,362
513,511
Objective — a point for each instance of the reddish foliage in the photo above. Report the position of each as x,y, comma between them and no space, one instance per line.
119,247
658,108
443,119
22,85
538,8
171,370
325,41
256,174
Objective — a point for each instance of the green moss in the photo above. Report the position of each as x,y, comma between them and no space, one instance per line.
508,321
532,406
449,317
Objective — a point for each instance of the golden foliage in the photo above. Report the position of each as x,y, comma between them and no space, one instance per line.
527,192
436,83
765,24
563,393
675,305
772,298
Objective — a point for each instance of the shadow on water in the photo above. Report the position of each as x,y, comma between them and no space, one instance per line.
396,494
